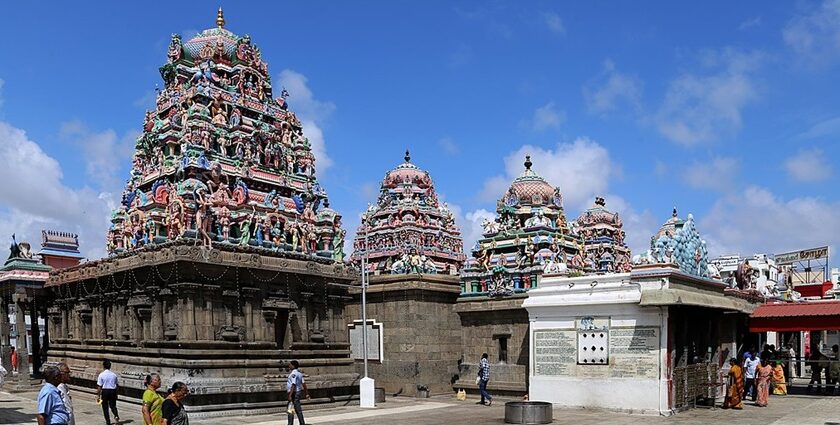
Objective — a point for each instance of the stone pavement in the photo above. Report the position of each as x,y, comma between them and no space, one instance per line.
792,409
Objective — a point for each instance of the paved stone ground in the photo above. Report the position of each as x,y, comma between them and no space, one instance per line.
792,409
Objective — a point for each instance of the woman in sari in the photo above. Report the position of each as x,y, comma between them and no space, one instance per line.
763,375
735,386
779,384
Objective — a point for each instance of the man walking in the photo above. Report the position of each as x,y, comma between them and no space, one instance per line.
484,377
106,392
51,410
296,386
750,365
64,371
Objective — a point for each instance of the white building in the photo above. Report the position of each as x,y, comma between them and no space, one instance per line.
642,342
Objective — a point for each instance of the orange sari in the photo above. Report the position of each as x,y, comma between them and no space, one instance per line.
762,377
779,384
735,389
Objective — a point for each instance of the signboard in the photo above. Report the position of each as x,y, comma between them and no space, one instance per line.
374,340
727,261
804,255
554,352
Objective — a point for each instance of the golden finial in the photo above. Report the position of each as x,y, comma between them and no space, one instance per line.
220,18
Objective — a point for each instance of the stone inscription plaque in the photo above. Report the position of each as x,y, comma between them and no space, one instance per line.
554,352
374,336
634,352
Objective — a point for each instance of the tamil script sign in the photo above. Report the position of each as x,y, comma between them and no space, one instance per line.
804,255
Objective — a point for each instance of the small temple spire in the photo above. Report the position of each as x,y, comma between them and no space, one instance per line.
674,213
407,156
220,18
528,162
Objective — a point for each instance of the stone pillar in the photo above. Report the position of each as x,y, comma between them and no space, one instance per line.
36,338
20,330
157,320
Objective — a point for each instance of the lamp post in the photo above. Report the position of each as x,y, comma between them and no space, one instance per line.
366,384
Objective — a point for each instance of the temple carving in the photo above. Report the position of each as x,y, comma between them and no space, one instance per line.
222,160
408,230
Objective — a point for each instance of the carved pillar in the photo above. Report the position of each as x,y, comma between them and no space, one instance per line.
20,332
85,322
157,320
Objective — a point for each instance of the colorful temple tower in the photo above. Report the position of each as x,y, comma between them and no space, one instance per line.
409,230
228,261
678,243
604,250
222,160
529,233
414,254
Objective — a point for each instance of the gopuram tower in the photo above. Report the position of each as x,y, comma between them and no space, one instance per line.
409,230
413,251
227,260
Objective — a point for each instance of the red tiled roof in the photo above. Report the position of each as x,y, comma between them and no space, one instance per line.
818,308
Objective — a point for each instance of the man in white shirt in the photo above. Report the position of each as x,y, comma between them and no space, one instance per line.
106,392
750,365
64,370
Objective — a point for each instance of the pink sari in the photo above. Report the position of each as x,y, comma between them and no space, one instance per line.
763,375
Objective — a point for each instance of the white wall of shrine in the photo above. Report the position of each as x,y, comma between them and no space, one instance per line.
593,346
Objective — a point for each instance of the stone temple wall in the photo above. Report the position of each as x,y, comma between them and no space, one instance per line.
485,322
225,321
422,333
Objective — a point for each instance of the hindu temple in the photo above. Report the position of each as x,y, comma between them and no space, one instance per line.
530,231
408,230
604,250
227,261
412,250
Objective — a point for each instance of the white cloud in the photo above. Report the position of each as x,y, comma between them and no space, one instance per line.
611,90
825,128
312,113
750,23
35,197
639,226
758,221
554,22
104,152
545,117
815,36
582,169
470,224
449,146
718,174
808,166
703,108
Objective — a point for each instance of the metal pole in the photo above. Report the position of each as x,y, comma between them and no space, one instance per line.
364,303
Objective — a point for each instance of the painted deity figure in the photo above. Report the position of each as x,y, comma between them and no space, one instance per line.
235,118
294,232
202,218
245,228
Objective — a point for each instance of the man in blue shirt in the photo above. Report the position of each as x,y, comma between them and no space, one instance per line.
295,385
51,410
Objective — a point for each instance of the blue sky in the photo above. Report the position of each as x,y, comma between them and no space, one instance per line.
729,111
